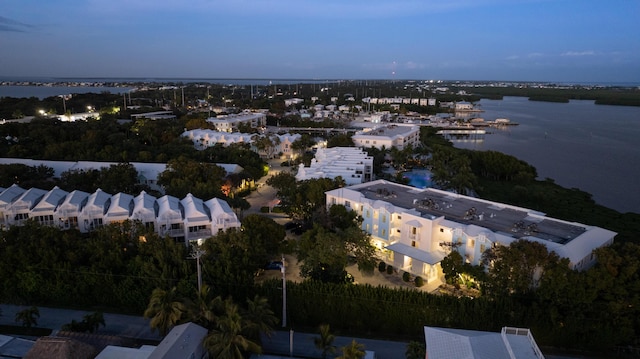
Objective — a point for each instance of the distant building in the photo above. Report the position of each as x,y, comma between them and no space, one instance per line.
157,115
397,135
293,101
230,123
351,163
204,138
463,106
510,343
409,226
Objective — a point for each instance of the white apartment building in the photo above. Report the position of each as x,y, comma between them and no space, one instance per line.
186,220
229,123
397,135
352,164
408,226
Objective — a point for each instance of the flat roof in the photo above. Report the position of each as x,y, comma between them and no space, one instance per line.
500,218
388,131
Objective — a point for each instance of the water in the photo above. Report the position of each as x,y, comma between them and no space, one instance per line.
42,92
577,144
419,178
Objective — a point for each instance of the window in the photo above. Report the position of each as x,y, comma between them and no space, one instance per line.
414,230
482,248
413,243
441,230
471,242
384,218
347,204
368,214
21,216
384,232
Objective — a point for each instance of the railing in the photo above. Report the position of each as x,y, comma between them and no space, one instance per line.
199,234
173,232
523,332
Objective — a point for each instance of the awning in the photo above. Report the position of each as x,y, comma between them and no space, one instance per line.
414,223
417,254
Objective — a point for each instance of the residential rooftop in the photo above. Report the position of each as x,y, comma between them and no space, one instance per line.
501,218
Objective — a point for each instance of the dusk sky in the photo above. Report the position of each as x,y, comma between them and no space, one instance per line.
514,40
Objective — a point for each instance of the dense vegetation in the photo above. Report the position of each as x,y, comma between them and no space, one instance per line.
602,96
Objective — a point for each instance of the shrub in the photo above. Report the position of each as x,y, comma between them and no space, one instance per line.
389,269
382,266
406,276
419,282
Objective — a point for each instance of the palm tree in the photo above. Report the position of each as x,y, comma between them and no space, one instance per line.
354,350
228,339
165,309
325,341
204,309
259,318
93,321
28,317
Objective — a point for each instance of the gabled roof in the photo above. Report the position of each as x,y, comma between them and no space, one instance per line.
51,200
169,208
74,199
30,197
218,207
143,203
8,195
194,209
97,199
121,205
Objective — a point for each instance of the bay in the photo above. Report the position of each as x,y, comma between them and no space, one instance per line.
578,144
42,92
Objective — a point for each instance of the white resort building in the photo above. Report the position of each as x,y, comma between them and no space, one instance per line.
186,220
397,135
352,164
408,226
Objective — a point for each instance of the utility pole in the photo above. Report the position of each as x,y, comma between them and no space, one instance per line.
284,295
196,254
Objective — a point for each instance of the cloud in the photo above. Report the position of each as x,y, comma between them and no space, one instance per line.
9,25
578,53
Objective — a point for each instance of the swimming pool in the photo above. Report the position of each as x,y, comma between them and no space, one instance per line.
419,178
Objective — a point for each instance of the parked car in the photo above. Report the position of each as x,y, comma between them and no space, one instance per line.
273,265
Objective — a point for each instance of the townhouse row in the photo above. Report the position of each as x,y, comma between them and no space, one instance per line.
186,220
